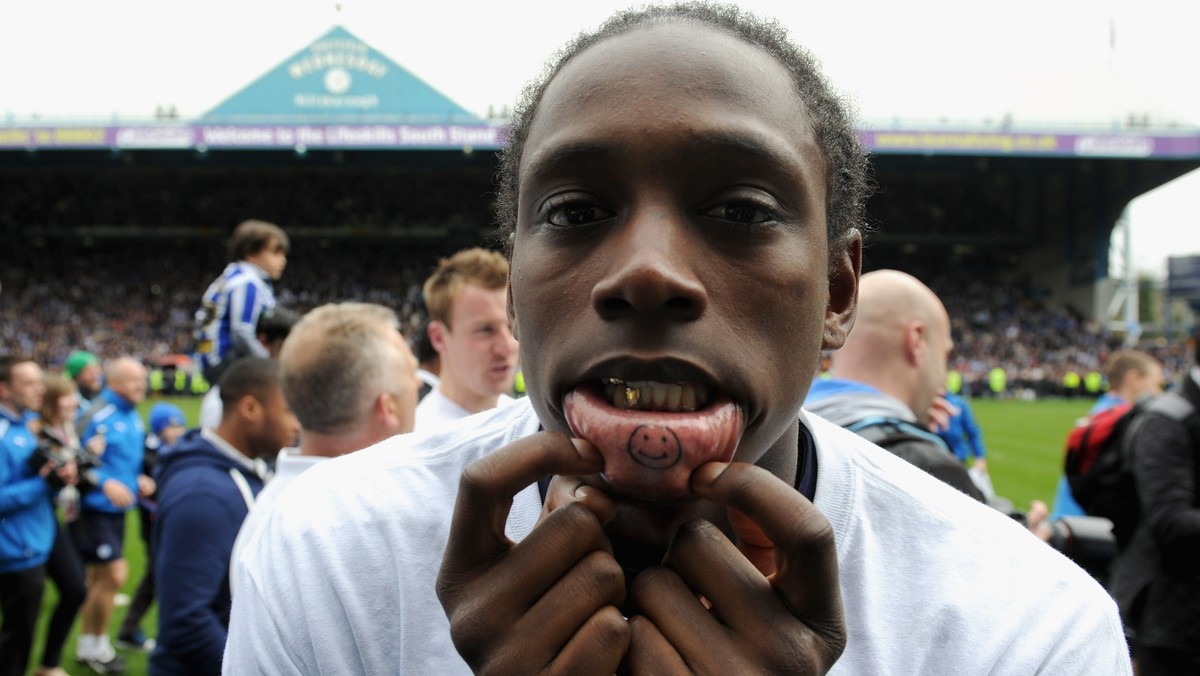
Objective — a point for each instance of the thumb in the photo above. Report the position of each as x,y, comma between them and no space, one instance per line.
752,542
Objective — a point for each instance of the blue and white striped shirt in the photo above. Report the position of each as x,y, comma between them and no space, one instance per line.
229,313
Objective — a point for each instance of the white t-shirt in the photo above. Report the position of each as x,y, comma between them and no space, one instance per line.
435,410
211,408
288,465
341,579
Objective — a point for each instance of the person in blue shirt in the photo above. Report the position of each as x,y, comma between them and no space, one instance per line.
229,310
99,532
962,433
27,525
1131,375
207,483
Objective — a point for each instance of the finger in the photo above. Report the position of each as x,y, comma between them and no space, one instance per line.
713,567
551,553
650,652
487,487
594,583
598,646
806,574
564,490
666,600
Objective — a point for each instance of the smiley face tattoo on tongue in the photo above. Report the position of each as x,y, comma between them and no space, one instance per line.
653,435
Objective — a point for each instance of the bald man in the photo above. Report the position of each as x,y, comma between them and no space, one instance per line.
351,380
887,376
99,532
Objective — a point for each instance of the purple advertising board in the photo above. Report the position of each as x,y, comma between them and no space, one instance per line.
199,136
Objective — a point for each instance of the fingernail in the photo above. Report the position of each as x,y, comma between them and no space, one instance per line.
586,450
708,473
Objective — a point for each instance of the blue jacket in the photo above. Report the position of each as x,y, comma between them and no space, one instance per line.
27,525
125,441
200,509
963,435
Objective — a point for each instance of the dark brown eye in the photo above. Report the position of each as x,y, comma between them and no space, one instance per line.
739,212
577,214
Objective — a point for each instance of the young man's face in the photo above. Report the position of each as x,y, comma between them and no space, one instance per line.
671,256
478,351
277,427
24,392
89,377
272,258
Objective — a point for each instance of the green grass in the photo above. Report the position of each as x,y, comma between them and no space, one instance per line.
1024,443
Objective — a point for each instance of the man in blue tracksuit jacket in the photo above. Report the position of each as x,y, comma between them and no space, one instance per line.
206,484
99,532
27,525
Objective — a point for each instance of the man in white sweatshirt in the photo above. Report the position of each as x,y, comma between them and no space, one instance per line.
683,194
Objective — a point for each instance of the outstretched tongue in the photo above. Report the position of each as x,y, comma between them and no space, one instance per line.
651,444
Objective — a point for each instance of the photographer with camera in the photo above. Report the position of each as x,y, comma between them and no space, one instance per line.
27,523
59,443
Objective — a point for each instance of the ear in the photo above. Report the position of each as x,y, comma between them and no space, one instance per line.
914,341
843,292
387,409
437,335
250,408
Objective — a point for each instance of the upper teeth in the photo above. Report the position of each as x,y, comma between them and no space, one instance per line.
651,395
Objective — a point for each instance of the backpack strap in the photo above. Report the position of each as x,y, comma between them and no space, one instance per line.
878,428
85,419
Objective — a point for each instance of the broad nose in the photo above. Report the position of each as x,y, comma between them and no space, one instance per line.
651,272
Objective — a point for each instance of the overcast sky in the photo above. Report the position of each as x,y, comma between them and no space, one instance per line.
1063,62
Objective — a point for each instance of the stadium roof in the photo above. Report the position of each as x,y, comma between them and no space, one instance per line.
338,78
339,93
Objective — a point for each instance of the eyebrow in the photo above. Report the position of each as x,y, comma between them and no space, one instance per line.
750,147
570,153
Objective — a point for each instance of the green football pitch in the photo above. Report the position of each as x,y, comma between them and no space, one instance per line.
1024,448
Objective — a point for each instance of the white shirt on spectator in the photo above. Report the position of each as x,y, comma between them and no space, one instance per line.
435,410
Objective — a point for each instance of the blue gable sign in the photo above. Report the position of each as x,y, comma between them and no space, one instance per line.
339,78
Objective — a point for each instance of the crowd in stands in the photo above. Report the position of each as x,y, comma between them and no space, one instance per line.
139,297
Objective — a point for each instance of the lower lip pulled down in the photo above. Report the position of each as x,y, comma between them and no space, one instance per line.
650,455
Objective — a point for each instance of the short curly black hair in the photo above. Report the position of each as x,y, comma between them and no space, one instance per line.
849,182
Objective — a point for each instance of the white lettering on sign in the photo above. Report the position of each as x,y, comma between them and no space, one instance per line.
1115,146
238,136
312,63
364,102
365,136
474,135
423,136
